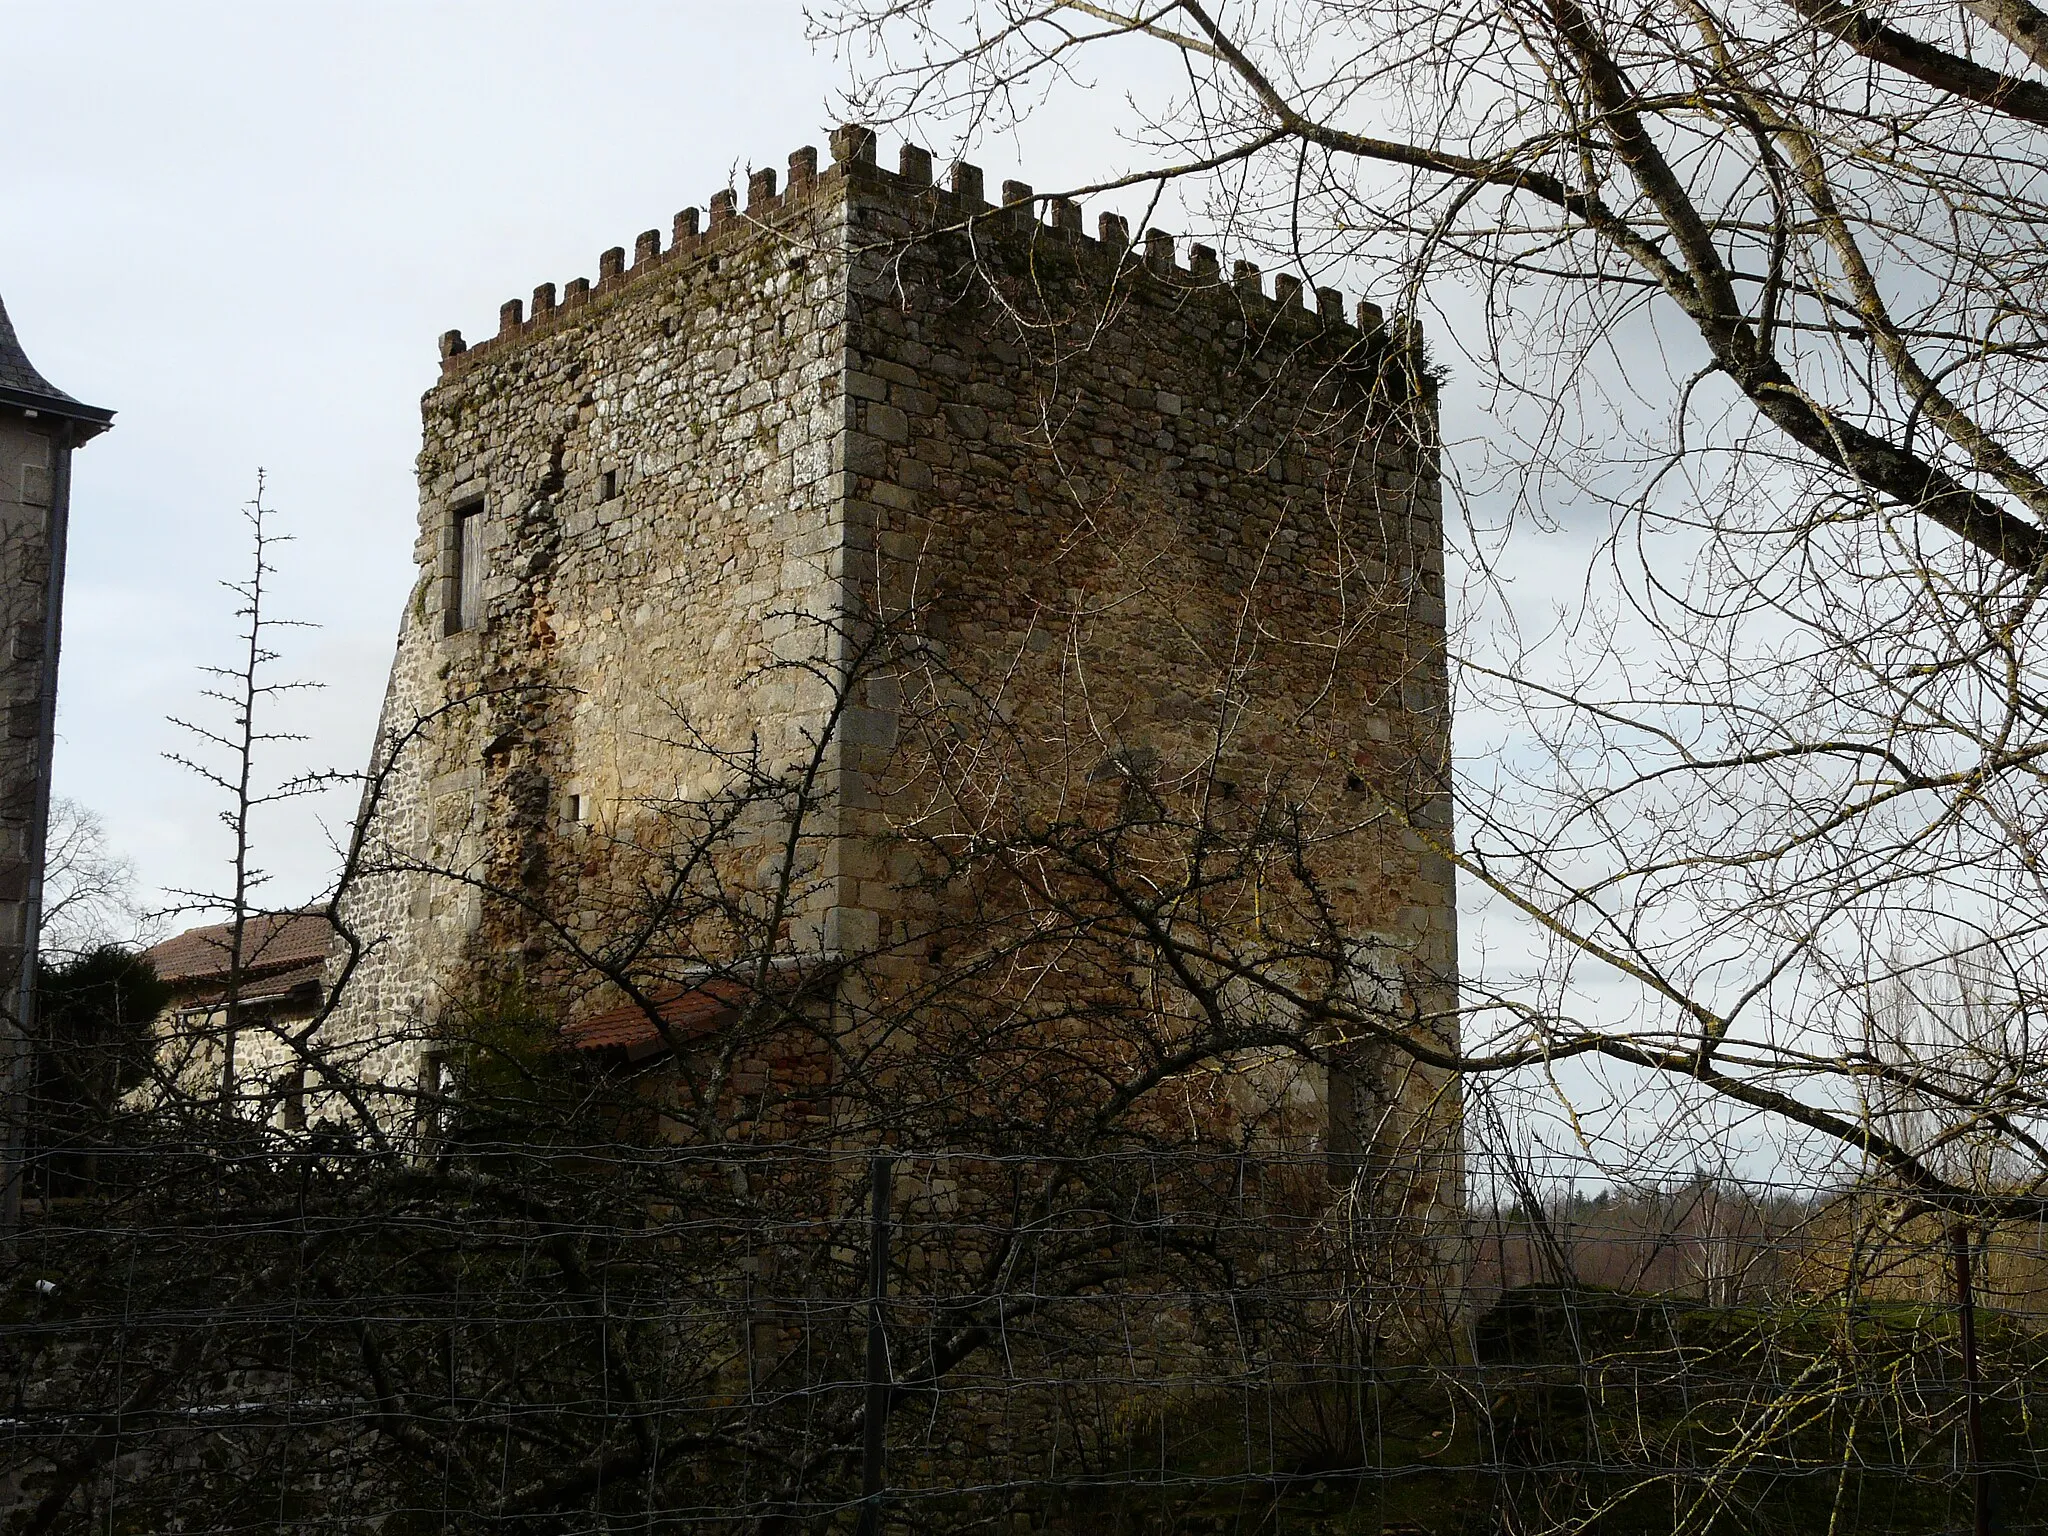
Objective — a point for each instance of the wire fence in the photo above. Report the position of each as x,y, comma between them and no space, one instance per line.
585,1338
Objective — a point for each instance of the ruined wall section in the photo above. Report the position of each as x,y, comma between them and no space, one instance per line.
654,461
1176,526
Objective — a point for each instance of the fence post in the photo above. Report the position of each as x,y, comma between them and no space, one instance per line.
1973,1419
875,1417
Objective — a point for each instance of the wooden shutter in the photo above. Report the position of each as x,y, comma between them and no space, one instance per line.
469,568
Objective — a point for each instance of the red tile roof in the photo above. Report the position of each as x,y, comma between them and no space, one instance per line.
266,987
270,942
687,1011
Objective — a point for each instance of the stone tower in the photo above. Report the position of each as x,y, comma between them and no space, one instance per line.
1111,489
40,425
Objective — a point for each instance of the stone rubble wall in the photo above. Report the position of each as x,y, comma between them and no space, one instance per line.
1164,525
625,636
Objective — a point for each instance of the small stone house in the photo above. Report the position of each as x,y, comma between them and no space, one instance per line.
281,987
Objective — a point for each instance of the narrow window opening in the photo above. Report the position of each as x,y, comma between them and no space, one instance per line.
576,808
294,1107
608,485
469,568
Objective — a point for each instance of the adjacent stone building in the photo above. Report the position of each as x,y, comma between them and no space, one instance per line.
277,990
40,426
895,502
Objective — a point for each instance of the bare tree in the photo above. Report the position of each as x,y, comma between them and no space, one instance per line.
229,753
1752,298
620,1277
89,889
683,1214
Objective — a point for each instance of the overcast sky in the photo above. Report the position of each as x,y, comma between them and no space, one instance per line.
243,225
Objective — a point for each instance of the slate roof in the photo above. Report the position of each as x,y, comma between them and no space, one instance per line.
271,943
21,385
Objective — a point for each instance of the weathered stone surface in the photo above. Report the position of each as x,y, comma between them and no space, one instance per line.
28,467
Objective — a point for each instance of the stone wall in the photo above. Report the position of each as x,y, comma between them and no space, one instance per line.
1163,527
33,456
40,426
652,459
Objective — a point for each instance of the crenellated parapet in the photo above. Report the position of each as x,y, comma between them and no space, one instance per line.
1019,217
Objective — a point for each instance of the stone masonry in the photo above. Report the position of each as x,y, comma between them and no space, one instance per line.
1115,489
40,426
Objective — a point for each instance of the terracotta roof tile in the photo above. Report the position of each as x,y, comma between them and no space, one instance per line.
688,1012
267,987
270,942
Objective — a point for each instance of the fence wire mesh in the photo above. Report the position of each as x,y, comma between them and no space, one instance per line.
585,1338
